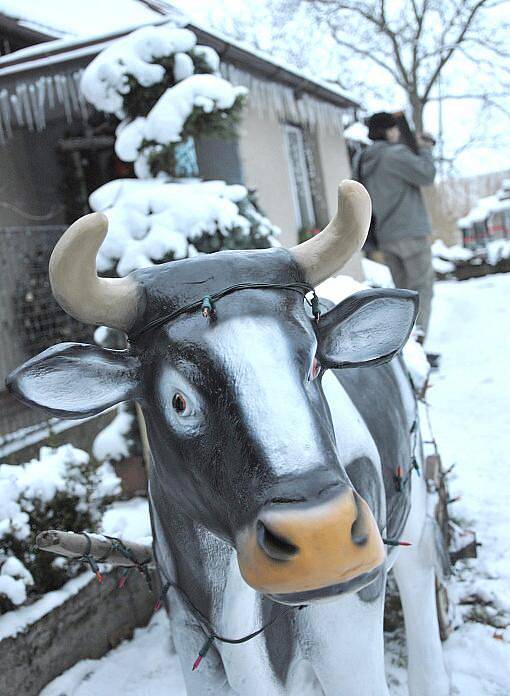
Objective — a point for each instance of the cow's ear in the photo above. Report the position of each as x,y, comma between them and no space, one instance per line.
368,328
75,380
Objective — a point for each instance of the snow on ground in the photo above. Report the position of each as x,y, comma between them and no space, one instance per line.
143,666
469,399
128,519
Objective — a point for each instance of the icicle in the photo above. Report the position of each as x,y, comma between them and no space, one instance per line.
71,88
58,89
310,110
51,92
23,94
33,105
63,96
81,99
275,102
2,135
16,107
6,112
68,109
287,104
41,98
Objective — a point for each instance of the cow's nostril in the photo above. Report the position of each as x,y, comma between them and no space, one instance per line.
359,529
274,546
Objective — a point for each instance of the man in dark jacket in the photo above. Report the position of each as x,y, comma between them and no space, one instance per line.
393,174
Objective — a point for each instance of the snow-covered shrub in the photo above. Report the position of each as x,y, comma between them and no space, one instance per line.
119,439
152,222
497,250
166,89
63,489
14,580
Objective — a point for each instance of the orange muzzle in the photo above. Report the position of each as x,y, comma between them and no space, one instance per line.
296,547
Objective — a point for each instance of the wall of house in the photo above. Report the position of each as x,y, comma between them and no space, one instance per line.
265,168
30,188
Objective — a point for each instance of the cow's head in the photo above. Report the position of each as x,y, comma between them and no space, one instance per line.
239,429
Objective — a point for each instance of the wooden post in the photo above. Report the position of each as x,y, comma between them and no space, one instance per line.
102,549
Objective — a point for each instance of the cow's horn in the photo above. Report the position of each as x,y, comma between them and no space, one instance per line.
328,251
76,285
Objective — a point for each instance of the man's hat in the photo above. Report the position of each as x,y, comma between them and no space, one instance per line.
378,123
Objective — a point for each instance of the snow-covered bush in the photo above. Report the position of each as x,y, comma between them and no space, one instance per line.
118,440
498,250
167,91
63,489
153,222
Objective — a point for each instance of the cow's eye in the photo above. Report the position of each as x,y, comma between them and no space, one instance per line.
179,403
315,370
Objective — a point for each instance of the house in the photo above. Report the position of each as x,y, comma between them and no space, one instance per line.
488,220
56,149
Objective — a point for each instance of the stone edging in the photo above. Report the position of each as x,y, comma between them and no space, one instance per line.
86,625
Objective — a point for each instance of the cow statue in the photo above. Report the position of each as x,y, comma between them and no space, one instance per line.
275,433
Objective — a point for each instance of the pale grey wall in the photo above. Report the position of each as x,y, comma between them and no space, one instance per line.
265,167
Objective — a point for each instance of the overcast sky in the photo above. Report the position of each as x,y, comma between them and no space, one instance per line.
461,118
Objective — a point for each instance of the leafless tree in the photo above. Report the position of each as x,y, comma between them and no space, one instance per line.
418,44
267,26
427,52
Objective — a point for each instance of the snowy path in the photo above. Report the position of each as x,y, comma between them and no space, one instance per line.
470,401
470,414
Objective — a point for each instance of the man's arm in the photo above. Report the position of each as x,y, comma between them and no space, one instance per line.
418,170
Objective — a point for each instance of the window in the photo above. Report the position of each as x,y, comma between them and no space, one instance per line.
300,179
186,164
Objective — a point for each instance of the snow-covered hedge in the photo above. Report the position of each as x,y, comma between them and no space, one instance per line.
152,222
446,259
168,91
63,489
165,89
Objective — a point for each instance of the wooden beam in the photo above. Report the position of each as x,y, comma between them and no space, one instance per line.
88,142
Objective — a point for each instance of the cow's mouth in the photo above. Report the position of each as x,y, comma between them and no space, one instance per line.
329,593
311,551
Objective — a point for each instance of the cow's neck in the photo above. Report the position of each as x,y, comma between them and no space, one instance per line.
188,554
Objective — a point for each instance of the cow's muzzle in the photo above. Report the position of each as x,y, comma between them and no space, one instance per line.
298,548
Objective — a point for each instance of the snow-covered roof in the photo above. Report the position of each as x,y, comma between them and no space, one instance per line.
74,26
357,131
72,19
484,208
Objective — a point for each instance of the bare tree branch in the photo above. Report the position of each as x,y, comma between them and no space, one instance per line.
366,53
100,548
414,43
449,53
471,95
